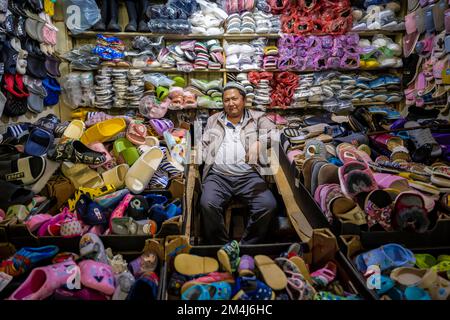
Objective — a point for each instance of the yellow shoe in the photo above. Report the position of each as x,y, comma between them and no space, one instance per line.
372,64
91,192
81,113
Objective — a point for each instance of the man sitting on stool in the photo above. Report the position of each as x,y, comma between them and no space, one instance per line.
230,145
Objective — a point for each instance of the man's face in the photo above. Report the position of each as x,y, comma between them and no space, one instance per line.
233,103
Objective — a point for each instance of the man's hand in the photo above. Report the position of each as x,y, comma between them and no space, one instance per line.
253,153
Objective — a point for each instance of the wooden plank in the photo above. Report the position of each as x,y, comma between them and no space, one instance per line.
295,214
190,186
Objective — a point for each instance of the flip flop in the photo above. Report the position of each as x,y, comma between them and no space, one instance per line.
191,265
13,194
140,174
102,131
388,256
273,276
39,142
80,175
75,130
125,149
137,133
116,176
24,171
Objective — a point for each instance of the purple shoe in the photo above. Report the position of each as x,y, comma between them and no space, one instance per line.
246,266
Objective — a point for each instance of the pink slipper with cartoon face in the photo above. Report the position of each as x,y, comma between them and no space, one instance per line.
42,282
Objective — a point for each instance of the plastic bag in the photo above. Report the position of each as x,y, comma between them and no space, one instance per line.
80,15
158,79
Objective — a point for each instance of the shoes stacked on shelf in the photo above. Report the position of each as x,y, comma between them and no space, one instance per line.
380,52
378,17
208,20
252,22
427,48
29,65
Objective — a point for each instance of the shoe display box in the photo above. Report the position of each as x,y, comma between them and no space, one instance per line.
438,230
8,249
19,235
316,258
353,245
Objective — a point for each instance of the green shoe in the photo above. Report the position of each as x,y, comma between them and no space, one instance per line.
229,256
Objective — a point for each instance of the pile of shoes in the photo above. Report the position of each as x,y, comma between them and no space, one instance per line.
82,58
239,276
192,55
245,56
316,53
101,276
314,17
78,89
29,66
208,93
171,18
106,162
336,91
378,17
370,180
270,62
380,52
109,49
252,22
404,273
135,89
208,20
104,91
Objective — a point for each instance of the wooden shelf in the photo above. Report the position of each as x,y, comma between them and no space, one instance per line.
245,36
93,34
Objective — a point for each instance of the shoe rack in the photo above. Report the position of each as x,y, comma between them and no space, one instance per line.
89,37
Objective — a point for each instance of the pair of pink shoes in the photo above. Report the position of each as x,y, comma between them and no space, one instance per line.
44,281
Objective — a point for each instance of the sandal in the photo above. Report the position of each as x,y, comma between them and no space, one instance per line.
325,275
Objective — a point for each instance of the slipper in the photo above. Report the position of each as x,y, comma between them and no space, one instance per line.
378,206
325,275
98,276
136,133
13,194
210,278
80,175
26,259
346,210
273,276
228,256
116,176
91,247
410,212
77,152
74,130
425,260
355,178
250,288
390,181
120,210
111,200
388,256
191,265
145,288
146,262
24,171
39,142
128,226
102,131
8,152
125,149
246,266
437,286
90,212
141,172
42,282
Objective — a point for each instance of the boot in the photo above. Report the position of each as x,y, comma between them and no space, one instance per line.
113,24
101,24
143,23
132,16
